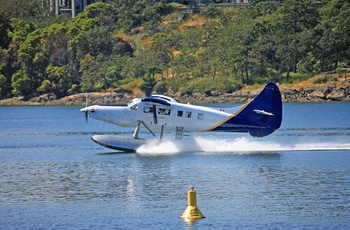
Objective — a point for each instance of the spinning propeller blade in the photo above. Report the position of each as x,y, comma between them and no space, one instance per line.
86,116
86,105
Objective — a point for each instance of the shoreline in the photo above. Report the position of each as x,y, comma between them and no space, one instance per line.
329,92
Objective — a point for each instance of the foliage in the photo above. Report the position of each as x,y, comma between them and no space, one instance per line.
325,79
333,34
161,87
206,85
211,11
219,49
135,13
148,84
3,85
4,27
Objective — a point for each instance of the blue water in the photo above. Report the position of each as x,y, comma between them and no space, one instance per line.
52,176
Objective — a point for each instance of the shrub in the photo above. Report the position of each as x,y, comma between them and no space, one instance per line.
324,79
161,87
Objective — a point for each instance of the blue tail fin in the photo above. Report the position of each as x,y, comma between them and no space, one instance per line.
260,117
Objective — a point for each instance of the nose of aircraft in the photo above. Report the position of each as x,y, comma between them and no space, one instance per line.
84,110
87,111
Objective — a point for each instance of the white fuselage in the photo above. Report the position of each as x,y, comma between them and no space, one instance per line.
191,117
259,117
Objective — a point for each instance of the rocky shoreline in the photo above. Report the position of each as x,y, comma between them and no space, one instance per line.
316,93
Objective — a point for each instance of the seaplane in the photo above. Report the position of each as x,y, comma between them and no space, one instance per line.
159,114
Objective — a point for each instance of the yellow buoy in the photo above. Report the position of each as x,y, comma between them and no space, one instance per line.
192,211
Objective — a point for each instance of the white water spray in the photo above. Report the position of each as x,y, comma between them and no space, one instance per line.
240,145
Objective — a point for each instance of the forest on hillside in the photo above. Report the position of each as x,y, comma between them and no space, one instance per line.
124,45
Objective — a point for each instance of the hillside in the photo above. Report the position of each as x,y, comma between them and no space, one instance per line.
136,48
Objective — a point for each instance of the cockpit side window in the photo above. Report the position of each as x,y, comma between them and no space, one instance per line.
148,109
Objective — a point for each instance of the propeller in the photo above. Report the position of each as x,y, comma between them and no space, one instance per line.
86,110
86,116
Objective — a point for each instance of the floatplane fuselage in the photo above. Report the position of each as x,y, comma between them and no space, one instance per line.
259,117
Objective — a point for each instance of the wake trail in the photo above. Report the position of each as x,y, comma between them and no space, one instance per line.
241,145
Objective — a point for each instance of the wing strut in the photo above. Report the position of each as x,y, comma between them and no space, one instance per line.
136,134
155,120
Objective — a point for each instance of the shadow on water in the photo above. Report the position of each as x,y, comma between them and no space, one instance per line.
115,153
191,224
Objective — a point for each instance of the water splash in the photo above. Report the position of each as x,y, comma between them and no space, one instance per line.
241,145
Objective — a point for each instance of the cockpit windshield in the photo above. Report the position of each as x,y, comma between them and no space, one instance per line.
134,103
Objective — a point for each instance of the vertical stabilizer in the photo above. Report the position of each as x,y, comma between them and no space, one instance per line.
260,117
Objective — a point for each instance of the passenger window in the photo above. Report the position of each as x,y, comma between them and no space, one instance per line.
188,114
200,116
180,113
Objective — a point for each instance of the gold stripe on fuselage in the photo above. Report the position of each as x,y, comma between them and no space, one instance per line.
229,117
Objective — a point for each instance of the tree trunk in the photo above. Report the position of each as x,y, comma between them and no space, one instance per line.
288,72
246,73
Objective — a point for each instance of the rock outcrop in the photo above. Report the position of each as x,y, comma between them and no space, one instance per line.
315,93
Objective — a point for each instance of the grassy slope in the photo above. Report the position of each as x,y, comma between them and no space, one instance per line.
195,20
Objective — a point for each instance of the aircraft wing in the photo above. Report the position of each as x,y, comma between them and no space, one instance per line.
155,101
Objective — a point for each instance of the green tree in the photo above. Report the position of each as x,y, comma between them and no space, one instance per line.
16,33
149,81
334,34
235,45
163,45
89,68
34,11
3,85
21,83
135,13
59,80
4,27
33,58
103,50
295,32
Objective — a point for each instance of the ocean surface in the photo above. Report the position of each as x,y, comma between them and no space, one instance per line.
53,176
